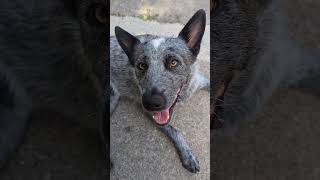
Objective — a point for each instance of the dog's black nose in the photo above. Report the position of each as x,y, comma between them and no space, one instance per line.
154,100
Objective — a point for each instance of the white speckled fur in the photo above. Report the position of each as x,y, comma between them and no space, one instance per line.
157,42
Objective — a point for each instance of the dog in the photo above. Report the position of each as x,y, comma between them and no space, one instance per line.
52,55
252,57
159,73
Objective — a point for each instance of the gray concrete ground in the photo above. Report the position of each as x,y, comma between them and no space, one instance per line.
168,11
138,149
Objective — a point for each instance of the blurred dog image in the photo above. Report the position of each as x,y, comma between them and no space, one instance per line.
53,56
253,56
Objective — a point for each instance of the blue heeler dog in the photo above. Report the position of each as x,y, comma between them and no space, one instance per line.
159,73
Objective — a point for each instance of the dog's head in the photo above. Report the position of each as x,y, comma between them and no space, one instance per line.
162,65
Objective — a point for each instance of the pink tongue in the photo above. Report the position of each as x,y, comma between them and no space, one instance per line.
161,117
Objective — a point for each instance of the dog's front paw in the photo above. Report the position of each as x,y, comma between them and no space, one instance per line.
190,161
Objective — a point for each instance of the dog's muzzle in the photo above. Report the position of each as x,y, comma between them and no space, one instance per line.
154,100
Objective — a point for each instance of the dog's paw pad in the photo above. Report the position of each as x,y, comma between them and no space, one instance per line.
190,162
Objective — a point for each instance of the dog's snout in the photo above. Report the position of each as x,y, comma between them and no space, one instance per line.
153,100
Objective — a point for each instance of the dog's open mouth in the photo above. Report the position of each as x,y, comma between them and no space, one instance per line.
163,117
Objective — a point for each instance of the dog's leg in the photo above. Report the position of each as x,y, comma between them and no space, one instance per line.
188,159
114,97
14,114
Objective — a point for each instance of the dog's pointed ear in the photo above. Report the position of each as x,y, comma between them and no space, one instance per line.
126,41
193,31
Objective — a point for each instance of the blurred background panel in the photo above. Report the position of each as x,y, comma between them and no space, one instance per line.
282,142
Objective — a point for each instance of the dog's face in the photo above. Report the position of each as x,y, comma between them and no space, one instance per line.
162,65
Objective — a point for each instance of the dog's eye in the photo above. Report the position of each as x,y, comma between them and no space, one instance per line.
97,15
142,66
172,63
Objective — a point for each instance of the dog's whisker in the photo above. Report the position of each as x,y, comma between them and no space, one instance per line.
223,105
218,99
